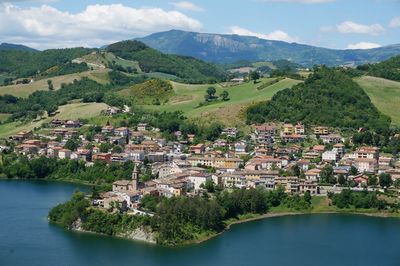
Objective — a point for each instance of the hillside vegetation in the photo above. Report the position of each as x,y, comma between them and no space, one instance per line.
187,68
24,90
25,64
328,97
389,69
149,92
384,94
187,98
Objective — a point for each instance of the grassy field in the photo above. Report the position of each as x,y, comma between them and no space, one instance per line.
69,111
188,97
24,90
4,117
384,94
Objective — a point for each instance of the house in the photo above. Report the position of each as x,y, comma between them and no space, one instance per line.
23,135
293,138
310,186
198,179
366,165
230,163
108,129
64,154
142,127
112,111
232,180
72,124
198,149
321,130
313,174
319,148
230,132
303,164
288,129
289,183
367,153
331,138
361,179
121,131
330,156
240,147
299,129
102,157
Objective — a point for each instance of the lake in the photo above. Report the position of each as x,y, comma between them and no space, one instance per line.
26,238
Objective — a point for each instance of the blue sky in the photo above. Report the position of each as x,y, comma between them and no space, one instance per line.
340,24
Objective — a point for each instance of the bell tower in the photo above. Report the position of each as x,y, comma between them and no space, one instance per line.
135,178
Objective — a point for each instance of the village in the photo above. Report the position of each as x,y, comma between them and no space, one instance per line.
317,160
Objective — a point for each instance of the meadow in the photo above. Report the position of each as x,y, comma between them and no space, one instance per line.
24,90
70,111
384,94
187,98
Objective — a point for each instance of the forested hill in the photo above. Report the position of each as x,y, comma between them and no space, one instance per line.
187,68
17,47
389,69
28,63
328,97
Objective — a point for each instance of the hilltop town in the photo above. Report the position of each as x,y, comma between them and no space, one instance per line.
300,159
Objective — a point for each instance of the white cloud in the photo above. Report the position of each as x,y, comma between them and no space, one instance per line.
395,22
363,45
184,5
276,35
45,26
352,27
299,1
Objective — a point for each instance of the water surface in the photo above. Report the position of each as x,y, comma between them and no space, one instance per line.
26,238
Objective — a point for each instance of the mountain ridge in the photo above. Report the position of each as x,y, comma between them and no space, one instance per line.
226,48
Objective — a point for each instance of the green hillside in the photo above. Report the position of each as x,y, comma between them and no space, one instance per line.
149,92
384,94
328,97
25,64
187,68
187,99
389,69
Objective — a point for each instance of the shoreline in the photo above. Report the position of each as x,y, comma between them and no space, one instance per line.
289,213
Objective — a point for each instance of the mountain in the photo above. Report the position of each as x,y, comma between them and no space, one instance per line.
222,48
150,60
328,97
16,47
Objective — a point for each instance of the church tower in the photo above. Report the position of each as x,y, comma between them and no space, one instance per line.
135,178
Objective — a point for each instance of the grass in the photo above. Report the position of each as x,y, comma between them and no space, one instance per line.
3,117
188,97
24,90
384,94
69,111
264,63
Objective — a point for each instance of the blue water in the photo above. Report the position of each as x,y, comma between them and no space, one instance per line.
26,238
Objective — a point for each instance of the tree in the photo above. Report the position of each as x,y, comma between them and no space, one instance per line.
341,180
50,85
211,92
71,144
396,183
307,196
254,75
327,174
385,180
372,180
353,170
225,96
51,109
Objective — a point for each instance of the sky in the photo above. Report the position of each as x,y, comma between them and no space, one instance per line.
337,24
